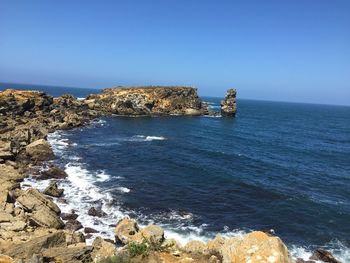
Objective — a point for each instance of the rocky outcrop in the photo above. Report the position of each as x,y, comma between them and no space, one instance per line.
41,211
228,105
53,190
253,247
153,100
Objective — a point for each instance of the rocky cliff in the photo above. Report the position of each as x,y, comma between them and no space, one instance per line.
152,100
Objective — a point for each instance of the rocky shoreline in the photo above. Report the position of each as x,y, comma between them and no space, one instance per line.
32,227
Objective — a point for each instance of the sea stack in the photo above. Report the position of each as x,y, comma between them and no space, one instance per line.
228,105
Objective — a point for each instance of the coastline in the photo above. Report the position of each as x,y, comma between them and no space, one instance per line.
196,250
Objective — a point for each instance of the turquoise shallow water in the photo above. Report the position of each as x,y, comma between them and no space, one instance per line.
280,166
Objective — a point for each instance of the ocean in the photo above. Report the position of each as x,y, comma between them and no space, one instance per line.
279,167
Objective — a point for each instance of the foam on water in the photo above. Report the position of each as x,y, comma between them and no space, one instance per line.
143,138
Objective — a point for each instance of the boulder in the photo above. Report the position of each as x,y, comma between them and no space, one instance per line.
5,217
43,212
76,253
102,249
153,234
73,225
324,255
195,246
5,150
52,190
126,231
89,230
254,247
74,237
36,245
96,212
53,172
228,105
69,216
39,150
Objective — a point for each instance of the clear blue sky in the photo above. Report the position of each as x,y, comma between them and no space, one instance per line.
274,50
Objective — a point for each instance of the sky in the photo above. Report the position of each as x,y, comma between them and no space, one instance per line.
297,50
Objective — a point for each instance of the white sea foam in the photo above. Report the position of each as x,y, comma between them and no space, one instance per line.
143,138
80,98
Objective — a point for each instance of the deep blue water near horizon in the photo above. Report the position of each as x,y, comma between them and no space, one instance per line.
280,166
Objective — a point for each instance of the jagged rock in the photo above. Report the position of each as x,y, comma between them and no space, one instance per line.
324,255
17,102
253,247
36,245
153,234
96,212
5,217
154,100
73,225
53,172
39,150
300,260
74,238
76,253
126,231
71,216
52,190
5,150
102,249
43,211
89,230
228,105
195,246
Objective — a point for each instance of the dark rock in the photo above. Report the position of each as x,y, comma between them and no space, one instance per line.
324,255
96,212
89,230
53,173
228,105
66,216
73,225
53,190
300,260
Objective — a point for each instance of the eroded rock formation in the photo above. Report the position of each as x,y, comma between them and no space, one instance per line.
228,104
152,100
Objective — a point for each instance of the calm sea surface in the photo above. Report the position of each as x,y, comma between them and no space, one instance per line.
280,166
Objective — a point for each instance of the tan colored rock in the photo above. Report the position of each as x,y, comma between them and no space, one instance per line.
126,231
39,150
76,253
6,259
43,211
102,249
195,246
53,190
5,217
36,245
153,234
32,199
255,247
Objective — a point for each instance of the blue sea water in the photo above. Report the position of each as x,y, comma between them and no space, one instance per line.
280,166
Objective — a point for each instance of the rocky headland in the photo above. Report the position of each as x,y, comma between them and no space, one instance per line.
32,227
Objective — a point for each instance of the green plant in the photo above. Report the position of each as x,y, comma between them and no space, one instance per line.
146,246
139,249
